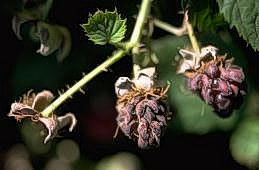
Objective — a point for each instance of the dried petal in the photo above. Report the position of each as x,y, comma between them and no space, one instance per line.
122,86
42,100
68,119
209,51
144,78
31,107
51,124
20,111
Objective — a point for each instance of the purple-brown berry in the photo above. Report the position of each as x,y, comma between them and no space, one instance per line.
218,82
142,108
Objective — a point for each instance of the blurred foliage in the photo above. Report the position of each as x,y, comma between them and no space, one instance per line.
244,143
30,11
120,161
105,27
204,15
53,38
243,15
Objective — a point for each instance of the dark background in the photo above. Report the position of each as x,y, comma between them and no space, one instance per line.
21,69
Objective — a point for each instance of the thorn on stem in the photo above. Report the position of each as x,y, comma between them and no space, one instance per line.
82,91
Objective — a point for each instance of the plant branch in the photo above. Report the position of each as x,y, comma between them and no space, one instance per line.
141,18
135,38
195,44
180,31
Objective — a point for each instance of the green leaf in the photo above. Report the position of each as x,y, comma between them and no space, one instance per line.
204,16
105,27
243,14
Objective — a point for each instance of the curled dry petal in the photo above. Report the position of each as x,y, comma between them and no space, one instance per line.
30,107
122,86
53,124
144,79
50,124
42,100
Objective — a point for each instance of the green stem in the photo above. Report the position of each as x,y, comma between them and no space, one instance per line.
195,44
141,18
135,38
170,28
186,27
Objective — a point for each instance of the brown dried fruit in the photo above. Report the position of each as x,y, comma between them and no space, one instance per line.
217,81
142,108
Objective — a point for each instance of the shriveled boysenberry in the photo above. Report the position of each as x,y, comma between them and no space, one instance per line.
143,111
219,83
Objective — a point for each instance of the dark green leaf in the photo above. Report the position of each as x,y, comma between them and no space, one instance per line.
204,16
105,27
243,15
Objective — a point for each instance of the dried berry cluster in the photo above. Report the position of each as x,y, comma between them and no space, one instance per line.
219,83
142,109
32,104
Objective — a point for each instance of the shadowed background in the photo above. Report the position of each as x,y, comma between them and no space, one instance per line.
195,138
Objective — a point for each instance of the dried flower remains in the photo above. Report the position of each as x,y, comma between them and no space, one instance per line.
31,105
142,108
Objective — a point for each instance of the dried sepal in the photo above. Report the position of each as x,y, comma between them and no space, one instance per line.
31,105
53,124
144,78
123,85
192,60
42,100
142,109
